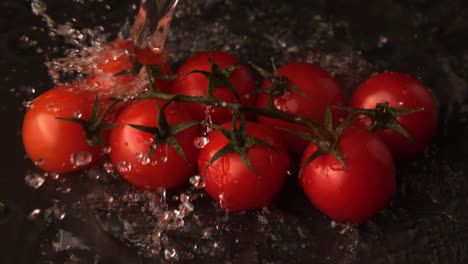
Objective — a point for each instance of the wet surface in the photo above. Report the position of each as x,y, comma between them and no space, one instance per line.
95,217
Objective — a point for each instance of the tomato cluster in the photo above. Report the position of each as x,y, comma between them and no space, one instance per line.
197,120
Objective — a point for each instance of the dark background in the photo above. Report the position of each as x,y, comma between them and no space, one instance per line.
426,222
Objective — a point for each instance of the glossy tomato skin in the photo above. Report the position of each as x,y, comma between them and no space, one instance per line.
117,57
196,84
322,90
355,194
400,91
50,142
166,168
230,182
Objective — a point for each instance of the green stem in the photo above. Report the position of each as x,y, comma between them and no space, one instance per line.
317,127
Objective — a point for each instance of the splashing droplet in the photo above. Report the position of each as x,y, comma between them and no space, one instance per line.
34,214
81,158
170,253
34,180
197,181
201,142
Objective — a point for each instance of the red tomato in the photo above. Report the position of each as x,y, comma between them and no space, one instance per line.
355,194
58,145
400,91
129,146
321,89
117,57
230,182
196,84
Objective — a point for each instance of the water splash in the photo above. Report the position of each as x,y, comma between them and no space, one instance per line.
35,180
152,23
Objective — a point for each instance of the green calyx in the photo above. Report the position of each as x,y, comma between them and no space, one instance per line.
326,143
218,77
164,133
384,116
95,124
239,142
279,84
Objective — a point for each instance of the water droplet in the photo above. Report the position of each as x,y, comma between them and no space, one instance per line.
142,158
27,104
77,114
201,142
107,149
170,253
164,159
39,162
149,141
382,41
400,103
63,190
108,167
124,167
54,176
59,213
34,214
197,181
81,158
222,201
3,209
34,180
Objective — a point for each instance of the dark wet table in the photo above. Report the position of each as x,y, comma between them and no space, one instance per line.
93,217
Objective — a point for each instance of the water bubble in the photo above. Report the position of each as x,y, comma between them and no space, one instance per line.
124,167
34,214
77,114
197,181
201,142
170,253
34,180
81,158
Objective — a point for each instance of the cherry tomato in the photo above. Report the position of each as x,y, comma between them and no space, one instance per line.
321,90
400,91
196,84
358,192
58,145
230,182
129,146
118,57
